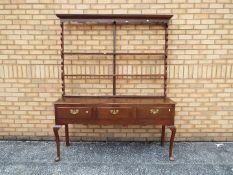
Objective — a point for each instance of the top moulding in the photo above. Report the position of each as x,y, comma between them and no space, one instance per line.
115,18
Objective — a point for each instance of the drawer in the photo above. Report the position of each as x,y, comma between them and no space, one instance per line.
114,113
74,112
150,112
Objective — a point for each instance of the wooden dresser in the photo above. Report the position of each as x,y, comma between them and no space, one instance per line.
115,109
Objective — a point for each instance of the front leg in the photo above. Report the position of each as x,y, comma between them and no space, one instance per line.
163,135
67,135
173,130
55,130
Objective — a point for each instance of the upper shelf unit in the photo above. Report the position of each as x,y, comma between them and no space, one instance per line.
114,18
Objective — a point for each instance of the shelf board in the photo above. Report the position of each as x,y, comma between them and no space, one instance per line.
109,53
121,53
86,75
146,76
86,53
119,96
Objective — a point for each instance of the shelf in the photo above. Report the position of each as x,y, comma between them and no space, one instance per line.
140,53
86,75
145,76
86,53
108,53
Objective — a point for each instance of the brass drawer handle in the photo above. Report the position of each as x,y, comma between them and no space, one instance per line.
154,111
114,111
74,111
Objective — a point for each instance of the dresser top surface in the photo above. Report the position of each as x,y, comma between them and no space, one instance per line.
114,100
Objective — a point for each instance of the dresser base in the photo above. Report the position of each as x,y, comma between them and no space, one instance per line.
115,111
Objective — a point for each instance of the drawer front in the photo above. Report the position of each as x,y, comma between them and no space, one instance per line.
155,112
114,113
74,112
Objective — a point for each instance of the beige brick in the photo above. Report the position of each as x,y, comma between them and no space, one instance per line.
200,66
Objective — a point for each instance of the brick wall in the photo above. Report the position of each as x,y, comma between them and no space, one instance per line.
200,66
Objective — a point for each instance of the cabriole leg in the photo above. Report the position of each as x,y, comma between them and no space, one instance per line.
67,135
173,130
163,135
57,139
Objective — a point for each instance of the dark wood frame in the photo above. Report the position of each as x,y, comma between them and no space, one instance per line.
73,102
